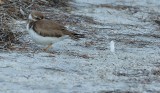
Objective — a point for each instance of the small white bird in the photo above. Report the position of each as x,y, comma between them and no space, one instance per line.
47,32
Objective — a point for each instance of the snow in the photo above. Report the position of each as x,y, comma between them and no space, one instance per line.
92,68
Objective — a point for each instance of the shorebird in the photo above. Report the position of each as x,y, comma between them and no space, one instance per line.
47,32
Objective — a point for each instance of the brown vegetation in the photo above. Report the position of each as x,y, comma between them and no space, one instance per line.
11,10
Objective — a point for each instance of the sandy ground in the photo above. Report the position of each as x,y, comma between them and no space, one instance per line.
88,65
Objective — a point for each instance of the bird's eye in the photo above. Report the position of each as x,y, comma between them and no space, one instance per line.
38,18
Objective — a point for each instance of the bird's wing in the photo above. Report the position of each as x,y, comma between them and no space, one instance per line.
48,28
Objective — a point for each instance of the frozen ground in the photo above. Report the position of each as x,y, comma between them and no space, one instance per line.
88,66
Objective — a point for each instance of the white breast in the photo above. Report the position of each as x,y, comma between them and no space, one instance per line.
43,40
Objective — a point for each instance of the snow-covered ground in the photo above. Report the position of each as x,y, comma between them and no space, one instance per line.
88,65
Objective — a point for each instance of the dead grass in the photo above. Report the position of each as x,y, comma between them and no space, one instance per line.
11,10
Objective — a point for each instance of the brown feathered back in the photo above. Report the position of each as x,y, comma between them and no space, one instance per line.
48,28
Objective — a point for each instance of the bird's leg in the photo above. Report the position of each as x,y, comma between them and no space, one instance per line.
49,46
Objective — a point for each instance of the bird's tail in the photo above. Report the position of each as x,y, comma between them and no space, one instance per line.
157,21
76,36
